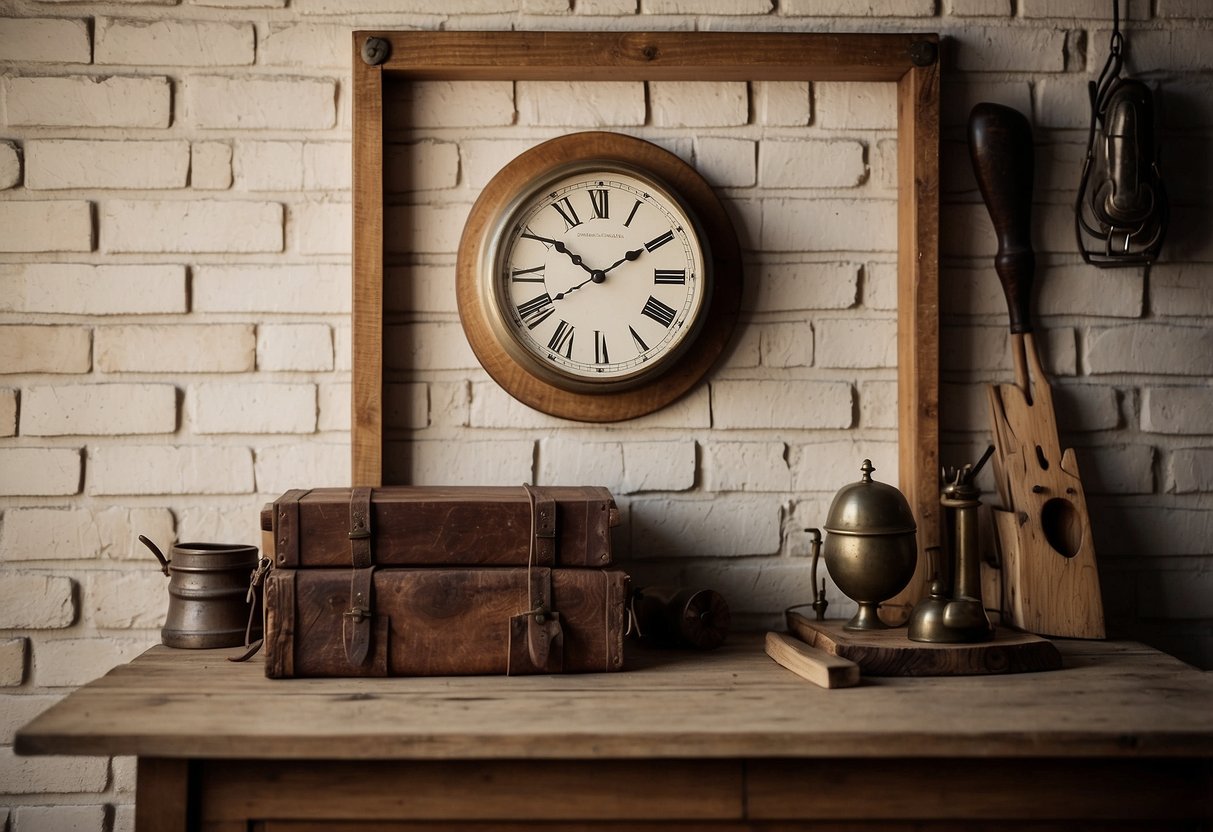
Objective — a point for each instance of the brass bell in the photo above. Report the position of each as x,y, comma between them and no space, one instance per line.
871,548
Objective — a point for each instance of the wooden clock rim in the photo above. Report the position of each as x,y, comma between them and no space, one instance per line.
724,255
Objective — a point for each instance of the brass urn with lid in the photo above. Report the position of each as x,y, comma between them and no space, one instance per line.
871,547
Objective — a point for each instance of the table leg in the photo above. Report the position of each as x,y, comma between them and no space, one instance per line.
162,801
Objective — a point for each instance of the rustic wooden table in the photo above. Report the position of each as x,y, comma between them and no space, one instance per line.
1121,736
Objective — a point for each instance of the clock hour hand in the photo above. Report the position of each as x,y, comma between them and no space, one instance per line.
596,276
631,255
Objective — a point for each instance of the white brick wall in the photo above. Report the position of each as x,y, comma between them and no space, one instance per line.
175,233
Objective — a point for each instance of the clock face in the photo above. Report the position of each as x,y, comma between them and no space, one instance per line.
599,276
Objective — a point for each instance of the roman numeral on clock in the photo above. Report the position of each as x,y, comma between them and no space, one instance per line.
600,349
562,339
658,311
658,242
599,202
631,214
565,209
640,344
678,276
532,275
536,310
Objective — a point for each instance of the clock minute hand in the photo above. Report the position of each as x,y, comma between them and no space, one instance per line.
631,255
562,248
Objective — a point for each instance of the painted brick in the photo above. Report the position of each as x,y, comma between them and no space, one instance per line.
878,404
323,227
240,524
728,525
962,407
828,225
480,160
333,402
1183,410
403,7
327,166
427,346
306,45
978,8
211,166
811,164
827,466
1181,289
45,349
224,103
884,165
283,467
10,165
746,349
1151,348
856,342
73,662
1137,531
573,462
240,4
36,533
787,286
433,165
190,226
431,104
696,104
1061,289
53,775
62,818
782,103
988,348
606,7
730,7
504,462
44,40
855,105
420,288
126,600
35,226
726,163
581,103
1117,469
252,407
492,407
268,166
1179,49
80,289
962,96
98,409
79,100
880,286
786,345
1063,102
1183,9
745,466
8,412
173,42
1086,407
435,228
422,405
658,466
12,672
302,288
39,472
1190,471
343,348
304,347
179,348
1010,49
781,404
858,8
163,469
122,778
16,710
36,601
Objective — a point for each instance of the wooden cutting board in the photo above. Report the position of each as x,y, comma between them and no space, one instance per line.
891,653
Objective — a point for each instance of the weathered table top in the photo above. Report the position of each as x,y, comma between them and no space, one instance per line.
1109,700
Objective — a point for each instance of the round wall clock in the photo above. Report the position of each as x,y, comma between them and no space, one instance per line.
598,277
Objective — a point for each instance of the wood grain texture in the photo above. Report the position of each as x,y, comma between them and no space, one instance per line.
164,799
819,667
891,653
1110,700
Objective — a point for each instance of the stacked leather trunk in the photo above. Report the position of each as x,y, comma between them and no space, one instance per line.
409,581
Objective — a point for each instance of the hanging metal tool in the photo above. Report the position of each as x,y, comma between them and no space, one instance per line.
1121,213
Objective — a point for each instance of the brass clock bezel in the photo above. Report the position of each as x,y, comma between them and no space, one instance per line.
490,336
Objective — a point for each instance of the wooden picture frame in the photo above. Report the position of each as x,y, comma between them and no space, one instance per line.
908,60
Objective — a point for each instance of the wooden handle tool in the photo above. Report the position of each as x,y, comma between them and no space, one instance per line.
1049,577
811,663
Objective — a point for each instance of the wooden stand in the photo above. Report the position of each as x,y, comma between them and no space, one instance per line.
891,653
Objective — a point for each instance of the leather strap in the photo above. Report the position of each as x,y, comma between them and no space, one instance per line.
357,620
539,627
361,534
543,526
286,528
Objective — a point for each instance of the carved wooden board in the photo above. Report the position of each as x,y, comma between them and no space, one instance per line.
891,653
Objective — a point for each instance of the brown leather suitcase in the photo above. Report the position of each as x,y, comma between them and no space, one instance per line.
440,526
442,581
439,622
